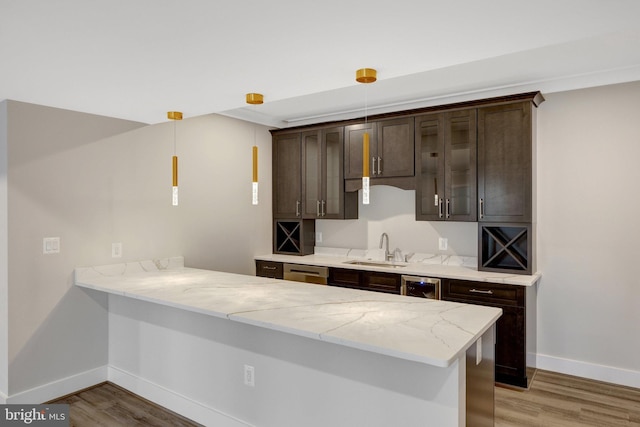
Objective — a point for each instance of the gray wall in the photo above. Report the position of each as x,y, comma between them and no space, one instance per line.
4,273
588,232
93,181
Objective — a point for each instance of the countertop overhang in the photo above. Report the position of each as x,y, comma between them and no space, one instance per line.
422,269
422,330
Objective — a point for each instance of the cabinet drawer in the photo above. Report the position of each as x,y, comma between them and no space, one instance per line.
482,292
269,269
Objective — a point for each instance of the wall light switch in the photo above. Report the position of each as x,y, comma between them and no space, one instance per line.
318,236
51,245
443,243
116,250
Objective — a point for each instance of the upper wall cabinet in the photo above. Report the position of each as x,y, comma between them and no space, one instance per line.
308,179
446,166
505,163
391,148
322,176
287,175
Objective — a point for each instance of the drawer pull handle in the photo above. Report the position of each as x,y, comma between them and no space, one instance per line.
266,267
481,291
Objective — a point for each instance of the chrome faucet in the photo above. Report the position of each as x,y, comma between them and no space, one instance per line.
387,255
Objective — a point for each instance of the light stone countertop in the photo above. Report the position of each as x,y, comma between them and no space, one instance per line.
422,330
424,265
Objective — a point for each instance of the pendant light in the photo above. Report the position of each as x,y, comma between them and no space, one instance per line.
254,99
175,116
365,75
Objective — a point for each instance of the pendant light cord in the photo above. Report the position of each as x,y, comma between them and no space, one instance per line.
366,93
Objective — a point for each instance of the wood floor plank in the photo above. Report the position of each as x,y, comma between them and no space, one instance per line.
561,400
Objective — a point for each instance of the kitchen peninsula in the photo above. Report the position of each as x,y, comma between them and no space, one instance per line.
229,349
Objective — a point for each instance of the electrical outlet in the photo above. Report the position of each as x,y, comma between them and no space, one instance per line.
116,250
249,376
443,243
318,236
51,245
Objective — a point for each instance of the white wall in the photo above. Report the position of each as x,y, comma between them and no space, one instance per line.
588,232
93,181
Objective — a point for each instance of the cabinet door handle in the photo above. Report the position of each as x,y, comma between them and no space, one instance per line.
297,207
481,208
440,213
324,209
448,210
373,166
379,166
482,291
318,208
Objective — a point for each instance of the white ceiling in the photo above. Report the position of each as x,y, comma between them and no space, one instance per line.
138,59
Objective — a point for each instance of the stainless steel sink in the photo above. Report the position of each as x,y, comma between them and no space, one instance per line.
376,264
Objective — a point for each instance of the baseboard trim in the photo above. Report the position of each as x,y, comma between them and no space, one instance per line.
173,401
62,387
592,371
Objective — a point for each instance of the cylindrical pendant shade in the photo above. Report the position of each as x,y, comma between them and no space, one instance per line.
175,171
365,154
174,115
366,75
255,163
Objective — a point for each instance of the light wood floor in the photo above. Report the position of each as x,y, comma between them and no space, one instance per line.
552,400
560,400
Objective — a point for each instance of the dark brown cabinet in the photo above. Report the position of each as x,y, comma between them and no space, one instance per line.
294,236
511,343
391,148
322,176
445,166
287,175
272,269
505,163
308,179
365,280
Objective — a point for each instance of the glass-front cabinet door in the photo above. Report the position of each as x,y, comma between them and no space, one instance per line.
446,166
333,191
430,167
323,181
460,155
311,158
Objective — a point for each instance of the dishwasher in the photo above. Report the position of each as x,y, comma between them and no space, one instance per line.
306,273
422,287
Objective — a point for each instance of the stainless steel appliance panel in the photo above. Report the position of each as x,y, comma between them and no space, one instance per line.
422,287
306,273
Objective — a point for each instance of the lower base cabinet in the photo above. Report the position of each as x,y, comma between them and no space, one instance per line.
272,269
365,280
511,343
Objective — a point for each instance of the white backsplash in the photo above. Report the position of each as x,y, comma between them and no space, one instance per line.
412,257
392,211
